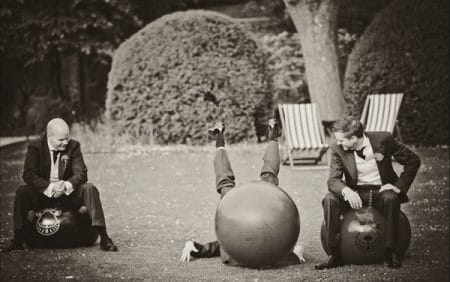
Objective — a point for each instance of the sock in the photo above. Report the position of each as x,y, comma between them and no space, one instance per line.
220,141
273,134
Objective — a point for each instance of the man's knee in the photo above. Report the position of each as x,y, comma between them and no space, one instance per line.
389,197
88,188
24,191
330,199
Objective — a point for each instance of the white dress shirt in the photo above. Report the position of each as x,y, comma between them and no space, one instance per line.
367,168
54,175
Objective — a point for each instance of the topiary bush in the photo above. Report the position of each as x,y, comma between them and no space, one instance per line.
405,49
174,78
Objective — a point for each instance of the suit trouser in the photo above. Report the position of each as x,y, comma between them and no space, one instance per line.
387,202
28,199
269,171
225,177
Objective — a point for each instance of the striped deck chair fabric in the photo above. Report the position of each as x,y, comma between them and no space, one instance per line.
302,128
380,112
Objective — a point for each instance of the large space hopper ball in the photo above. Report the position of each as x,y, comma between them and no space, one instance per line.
362,236
257,224
56,228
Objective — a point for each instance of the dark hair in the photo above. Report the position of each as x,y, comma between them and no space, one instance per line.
350,126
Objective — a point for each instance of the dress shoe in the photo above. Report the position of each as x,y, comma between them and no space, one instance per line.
392,260
107,245
13,245
219,127
331,262
273,129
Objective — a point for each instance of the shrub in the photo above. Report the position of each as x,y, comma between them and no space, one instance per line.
405,49
180,73
98,135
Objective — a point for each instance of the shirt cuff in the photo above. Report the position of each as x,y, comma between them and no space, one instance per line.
69,188
49,190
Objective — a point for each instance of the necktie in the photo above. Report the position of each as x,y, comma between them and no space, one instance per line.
360,153
55,155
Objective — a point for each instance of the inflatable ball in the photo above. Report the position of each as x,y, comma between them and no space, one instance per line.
362,236
257,224
57,228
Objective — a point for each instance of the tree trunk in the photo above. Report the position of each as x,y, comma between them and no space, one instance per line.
71,73
55,74
316,22
83,80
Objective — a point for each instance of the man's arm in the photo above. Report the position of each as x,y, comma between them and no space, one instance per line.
410,162
197,250
208,250
335,183
30,171
79,170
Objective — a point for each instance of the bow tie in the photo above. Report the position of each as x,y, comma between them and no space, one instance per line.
360,153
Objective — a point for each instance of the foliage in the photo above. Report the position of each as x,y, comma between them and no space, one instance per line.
32,30
98,135
44,108
286,67
176,76
405,49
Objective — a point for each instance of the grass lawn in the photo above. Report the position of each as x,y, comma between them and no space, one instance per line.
156,199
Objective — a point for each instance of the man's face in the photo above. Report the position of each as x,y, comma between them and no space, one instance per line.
59,139
346,143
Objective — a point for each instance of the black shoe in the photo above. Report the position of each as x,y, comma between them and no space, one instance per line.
392,260
331,262
107,245
219,127
13,245
273,129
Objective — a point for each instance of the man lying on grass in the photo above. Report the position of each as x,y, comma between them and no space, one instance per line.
225,182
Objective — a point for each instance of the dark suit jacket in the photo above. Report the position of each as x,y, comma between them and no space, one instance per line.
36,172
343,163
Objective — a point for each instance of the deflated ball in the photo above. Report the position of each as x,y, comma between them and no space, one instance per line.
257,224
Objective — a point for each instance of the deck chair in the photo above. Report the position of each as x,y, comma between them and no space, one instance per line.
380,112
302,133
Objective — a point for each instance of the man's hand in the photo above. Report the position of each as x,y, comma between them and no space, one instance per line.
58,189
188,248
389,186
352,198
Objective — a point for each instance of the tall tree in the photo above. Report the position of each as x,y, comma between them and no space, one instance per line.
316,22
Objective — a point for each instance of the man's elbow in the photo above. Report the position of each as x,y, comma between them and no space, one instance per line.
416,163
330,184
26,176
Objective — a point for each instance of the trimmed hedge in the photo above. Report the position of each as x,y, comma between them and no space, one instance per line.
174,78
406,49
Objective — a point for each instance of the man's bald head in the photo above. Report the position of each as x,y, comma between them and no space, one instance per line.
58,134
57,125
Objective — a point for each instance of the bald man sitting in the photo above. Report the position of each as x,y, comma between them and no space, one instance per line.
55,173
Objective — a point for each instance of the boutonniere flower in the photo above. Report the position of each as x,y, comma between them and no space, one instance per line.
65,158
378,156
